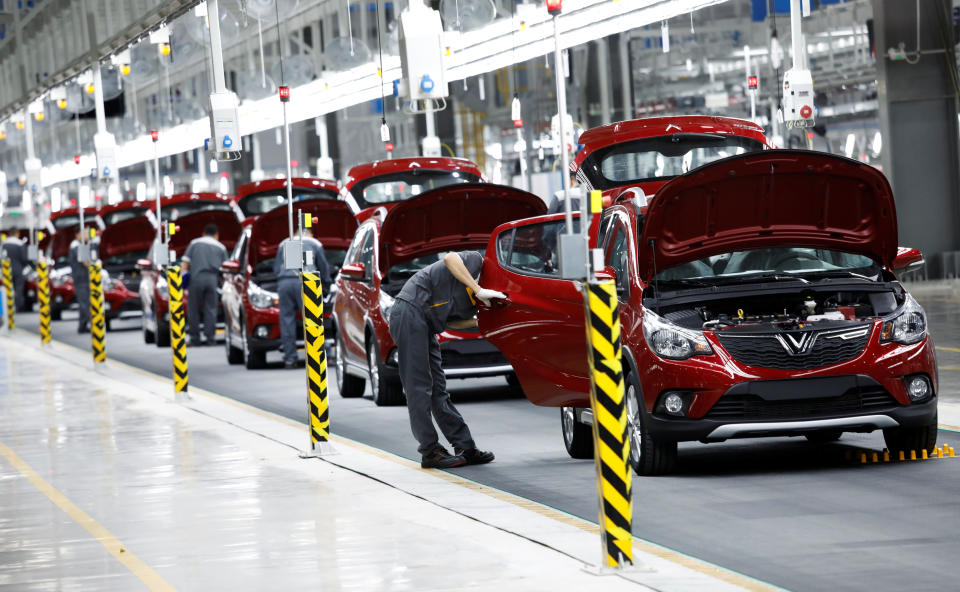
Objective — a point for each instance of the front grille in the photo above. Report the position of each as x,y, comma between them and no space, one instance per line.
853,402
796,350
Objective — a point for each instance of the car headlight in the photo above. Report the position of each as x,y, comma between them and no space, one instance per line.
162,287
260,298
909,326
672,341
386,303
57,280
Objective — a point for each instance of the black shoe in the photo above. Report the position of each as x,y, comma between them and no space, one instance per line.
475,457
83,329
289,365
441,459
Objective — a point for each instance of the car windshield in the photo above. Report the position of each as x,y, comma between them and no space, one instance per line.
661,158
180,210
124,259
404,185
806,263
260,203
71,220
119,216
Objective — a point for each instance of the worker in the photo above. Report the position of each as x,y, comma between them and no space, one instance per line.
200,268
16,252
80,272
290,290
439,296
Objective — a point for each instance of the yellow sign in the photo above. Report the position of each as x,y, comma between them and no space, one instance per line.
171,229
307,221
596,201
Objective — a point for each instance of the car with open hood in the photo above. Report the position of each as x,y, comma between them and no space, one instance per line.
260,197
62,294
758,297
154,291
388,249
249,294
386,183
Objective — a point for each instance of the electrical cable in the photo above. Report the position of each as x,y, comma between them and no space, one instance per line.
776,69
917,52
383,95
276,6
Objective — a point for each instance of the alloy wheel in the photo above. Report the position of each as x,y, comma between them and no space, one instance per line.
341,363
569,423
634,429
374,366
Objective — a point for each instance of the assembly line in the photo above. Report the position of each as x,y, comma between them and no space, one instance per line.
480,295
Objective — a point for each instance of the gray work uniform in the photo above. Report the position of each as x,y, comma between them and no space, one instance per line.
289,290
426,303
81,283
14,249
205,255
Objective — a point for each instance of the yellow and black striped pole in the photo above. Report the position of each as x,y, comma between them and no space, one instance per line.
8,288
98,324
178,337
611,443
319,412
43,298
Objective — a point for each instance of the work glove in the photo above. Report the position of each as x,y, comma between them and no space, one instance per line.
185,279
486,296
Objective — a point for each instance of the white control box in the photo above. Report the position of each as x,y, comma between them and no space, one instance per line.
798,107
421,53
225,126
3,188
106,148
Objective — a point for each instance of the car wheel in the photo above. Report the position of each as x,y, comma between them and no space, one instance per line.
648,455
349,386
148,335
823,437
234,355
514,383
385,392
56,313
253,360
577,436
912,438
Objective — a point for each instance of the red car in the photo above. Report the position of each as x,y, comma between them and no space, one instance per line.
260,197
385,183
387,251
249,297
154,293
129,233
758,298
65,224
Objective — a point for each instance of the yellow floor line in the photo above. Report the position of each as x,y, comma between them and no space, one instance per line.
935,299
953,368
112,544
949,349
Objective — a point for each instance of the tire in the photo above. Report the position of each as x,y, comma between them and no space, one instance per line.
385,392
648,455
514,383
234,355
823,437
148,335
253,360
350,386
56,313
577,436
912,438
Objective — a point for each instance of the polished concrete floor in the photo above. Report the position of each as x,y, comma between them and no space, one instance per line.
782,511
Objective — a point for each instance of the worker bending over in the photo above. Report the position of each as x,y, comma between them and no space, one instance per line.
200,266
440,296
16,252
289,290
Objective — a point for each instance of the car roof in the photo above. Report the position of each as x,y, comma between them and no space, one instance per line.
270,184
395,165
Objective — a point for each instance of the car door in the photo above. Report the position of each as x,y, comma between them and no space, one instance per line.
540,328
232,289
350,311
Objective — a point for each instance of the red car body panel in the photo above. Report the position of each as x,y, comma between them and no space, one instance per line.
455,217
541,327
323,187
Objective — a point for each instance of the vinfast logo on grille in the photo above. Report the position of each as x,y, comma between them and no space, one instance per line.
797,345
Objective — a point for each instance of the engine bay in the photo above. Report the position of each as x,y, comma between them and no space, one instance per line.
783,310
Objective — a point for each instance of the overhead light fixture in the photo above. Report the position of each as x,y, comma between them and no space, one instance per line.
665,36
850,145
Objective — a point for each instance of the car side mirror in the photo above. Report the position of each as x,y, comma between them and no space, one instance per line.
908,260
231,266
354,271
145,264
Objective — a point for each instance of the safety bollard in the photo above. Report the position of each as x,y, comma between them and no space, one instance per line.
98,324
178,337
611,442
8,288
43,298
317,405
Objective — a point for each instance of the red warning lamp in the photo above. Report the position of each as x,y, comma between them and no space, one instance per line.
554,7
389,146
517,123
294,163
76,159
752,82
284,93
154,135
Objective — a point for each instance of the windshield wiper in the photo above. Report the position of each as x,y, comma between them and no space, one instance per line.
764,276
839,273
685,282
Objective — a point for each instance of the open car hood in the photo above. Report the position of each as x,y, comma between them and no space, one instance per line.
770,199
135,234
191,227
335,226
451,218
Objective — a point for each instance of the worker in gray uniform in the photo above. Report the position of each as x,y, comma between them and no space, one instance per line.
16,252
290,291
80,272
200,267
440,296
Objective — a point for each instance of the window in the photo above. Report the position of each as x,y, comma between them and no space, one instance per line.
532,249
617,257
351,256
260,203
402,186
240,248
365,255
741,265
